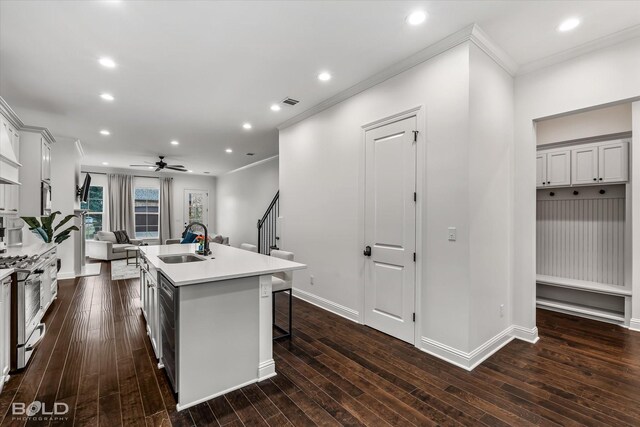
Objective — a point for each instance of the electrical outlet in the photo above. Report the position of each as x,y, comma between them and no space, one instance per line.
312,279
501,310
452,234
264,290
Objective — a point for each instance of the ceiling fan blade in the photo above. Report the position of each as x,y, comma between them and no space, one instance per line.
176,166
140,166
158,169
176,169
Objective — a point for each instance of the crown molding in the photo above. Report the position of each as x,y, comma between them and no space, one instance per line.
495,52
471,33
602,42
38,129
11,115
250,165
437,48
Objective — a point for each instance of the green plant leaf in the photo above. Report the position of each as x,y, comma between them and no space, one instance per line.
64,235
63,222
31,221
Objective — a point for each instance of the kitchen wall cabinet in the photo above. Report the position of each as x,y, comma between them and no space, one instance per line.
584,164
9,169
35,156
553,168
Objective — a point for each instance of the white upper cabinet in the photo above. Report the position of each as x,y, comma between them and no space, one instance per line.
559,168
541,170
46,161
613,162
584,165
553,168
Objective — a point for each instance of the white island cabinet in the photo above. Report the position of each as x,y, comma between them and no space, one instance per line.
211,318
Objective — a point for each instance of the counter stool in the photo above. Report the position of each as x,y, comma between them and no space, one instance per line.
249,247
281,282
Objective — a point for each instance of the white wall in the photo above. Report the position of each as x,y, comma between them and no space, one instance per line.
243,196
65,177
598,78
181,182
490,168
321,179
601,121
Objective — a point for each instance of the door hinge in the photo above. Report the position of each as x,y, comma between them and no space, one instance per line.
414,317
415,197
415,136
414,257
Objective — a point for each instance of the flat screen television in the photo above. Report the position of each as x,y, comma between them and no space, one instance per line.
84,190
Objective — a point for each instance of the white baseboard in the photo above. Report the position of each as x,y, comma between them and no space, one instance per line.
183,406
469,360
66,275
529,335
266,369
634,325
325,304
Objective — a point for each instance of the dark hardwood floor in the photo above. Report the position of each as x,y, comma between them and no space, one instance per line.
96,358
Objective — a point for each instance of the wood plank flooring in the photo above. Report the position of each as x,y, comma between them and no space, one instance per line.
97,359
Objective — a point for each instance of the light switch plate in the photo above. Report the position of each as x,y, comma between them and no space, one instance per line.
452,234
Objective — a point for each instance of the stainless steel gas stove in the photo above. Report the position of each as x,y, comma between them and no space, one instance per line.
30,286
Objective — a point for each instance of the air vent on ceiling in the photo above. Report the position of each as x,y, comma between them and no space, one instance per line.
290,101
250,154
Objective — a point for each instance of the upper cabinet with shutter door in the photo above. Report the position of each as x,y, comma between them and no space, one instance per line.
613,162
584,165
541,169
558,168
553,168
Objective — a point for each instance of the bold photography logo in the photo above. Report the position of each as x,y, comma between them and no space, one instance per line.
40,410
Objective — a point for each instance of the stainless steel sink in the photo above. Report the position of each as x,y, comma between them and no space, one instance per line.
178,259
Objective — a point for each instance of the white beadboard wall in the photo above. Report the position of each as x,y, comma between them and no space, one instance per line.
582,236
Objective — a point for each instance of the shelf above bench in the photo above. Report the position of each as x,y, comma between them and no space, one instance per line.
583,285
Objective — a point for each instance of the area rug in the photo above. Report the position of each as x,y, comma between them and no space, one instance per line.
120,270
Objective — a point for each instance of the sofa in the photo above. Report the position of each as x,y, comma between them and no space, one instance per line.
105,247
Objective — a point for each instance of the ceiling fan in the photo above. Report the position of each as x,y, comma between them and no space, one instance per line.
161,165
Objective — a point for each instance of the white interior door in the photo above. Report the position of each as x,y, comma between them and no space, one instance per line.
196,208
390,228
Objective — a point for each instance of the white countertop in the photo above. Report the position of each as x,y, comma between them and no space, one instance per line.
228,263
29,250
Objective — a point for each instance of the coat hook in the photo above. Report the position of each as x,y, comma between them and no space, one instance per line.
552,194
602,191
575,193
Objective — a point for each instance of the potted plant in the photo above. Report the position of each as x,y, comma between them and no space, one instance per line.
45,229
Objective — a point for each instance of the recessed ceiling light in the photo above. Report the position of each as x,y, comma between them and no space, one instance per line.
275,107
107,62
416,18
150,167
568,25
105,132
107,96
324,76
247,125
174,142
190,171
105,163
229,150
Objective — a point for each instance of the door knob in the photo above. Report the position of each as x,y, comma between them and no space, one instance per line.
367,251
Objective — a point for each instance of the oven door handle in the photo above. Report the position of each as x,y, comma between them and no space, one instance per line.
43,330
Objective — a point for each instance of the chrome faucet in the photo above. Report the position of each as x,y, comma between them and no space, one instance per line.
206,250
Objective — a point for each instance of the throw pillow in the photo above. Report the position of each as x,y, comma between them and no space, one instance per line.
218,239
122,237
106,236
189,237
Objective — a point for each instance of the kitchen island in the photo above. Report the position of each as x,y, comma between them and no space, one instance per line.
209,317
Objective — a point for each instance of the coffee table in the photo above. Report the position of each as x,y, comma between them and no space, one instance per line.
134,249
